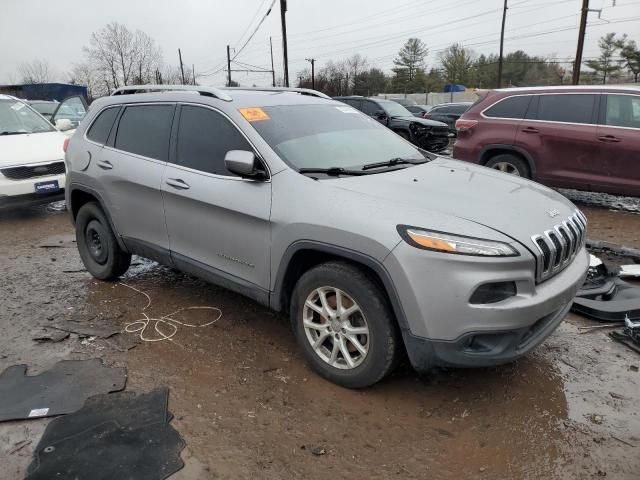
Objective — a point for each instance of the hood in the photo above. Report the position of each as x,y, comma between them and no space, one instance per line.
505,203
422,121
31,148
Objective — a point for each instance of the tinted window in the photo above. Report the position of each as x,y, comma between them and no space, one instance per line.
566,108
623,111
510,107
204,138
354,103
459,109
369,107
145,129
414,109
99,131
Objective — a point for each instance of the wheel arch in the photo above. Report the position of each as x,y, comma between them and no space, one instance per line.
490,151
80,195
303,255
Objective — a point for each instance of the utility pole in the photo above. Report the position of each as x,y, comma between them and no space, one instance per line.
181,66
575,79
228,67
283,11
313,73
193,73
273,72
504,18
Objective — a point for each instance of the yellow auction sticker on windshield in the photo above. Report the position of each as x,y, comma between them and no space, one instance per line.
254,114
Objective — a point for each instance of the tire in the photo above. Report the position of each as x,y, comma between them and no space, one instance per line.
371,312
509,163
97,244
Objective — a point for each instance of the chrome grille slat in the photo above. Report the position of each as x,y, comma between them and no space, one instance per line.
557,247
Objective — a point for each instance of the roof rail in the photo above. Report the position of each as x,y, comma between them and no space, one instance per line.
206,91
301,91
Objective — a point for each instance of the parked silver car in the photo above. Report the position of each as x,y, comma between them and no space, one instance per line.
308,206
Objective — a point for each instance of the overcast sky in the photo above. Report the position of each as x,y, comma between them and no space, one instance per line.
330,29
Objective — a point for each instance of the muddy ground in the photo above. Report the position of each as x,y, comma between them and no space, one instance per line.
248,407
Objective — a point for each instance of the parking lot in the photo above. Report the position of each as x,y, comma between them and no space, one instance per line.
247,407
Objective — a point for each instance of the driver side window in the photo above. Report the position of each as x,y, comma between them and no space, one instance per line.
369,107
204,138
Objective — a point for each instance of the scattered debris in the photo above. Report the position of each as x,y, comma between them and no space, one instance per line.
591,328
622,441
630,335
74,270
617,396
95,442
167,323
597,419
86,327
613,248
317,451
58,241
629,271
19,446
59,390
53,336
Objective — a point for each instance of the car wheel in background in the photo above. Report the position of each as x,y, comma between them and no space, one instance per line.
344,325
97,244
508,163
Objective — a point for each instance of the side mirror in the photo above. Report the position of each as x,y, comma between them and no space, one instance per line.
380,114
64,124
244,164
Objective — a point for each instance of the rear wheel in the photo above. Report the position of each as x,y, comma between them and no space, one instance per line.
344,326
509,163
97,244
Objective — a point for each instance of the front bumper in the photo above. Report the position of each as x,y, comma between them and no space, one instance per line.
21,193
444,328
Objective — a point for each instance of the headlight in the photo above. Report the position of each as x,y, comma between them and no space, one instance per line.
458,244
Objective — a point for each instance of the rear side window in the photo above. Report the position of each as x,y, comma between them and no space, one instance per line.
623,111
101,127
576,108
510,107
369,107
145,130
205,137
459,109
354,103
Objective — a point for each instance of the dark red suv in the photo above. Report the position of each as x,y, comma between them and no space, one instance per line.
584,137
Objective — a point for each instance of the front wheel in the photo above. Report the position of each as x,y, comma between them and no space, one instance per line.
97,244
344,325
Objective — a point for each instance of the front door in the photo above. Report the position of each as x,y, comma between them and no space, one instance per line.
217,221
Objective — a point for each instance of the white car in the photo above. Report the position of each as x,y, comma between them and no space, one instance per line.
32,168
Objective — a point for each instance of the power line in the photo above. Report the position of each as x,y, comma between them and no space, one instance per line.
256,29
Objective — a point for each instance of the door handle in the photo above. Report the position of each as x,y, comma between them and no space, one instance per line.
608,139
177,183
530,130
105,164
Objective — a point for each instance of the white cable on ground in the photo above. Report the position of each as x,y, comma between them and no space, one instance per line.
142,325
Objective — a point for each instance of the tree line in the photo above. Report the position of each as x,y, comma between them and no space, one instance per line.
117,56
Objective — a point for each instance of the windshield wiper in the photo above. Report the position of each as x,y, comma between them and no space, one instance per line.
332,171
393,162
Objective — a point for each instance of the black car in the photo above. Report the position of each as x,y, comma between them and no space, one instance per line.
448,113
427,134
419,110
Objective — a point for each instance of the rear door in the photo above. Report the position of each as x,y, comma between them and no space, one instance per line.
217,221
130,171
618,142
558,132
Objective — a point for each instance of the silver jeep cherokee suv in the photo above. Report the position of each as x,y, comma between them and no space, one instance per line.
306,205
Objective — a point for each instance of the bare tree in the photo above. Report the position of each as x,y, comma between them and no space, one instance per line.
120,57
37,71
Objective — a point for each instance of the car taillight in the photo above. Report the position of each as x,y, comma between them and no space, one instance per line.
463,125
65,145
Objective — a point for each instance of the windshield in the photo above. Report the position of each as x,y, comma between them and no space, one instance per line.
330,135
394,109
17,117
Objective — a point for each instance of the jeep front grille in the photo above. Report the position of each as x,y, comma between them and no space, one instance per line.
32,171
557,247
